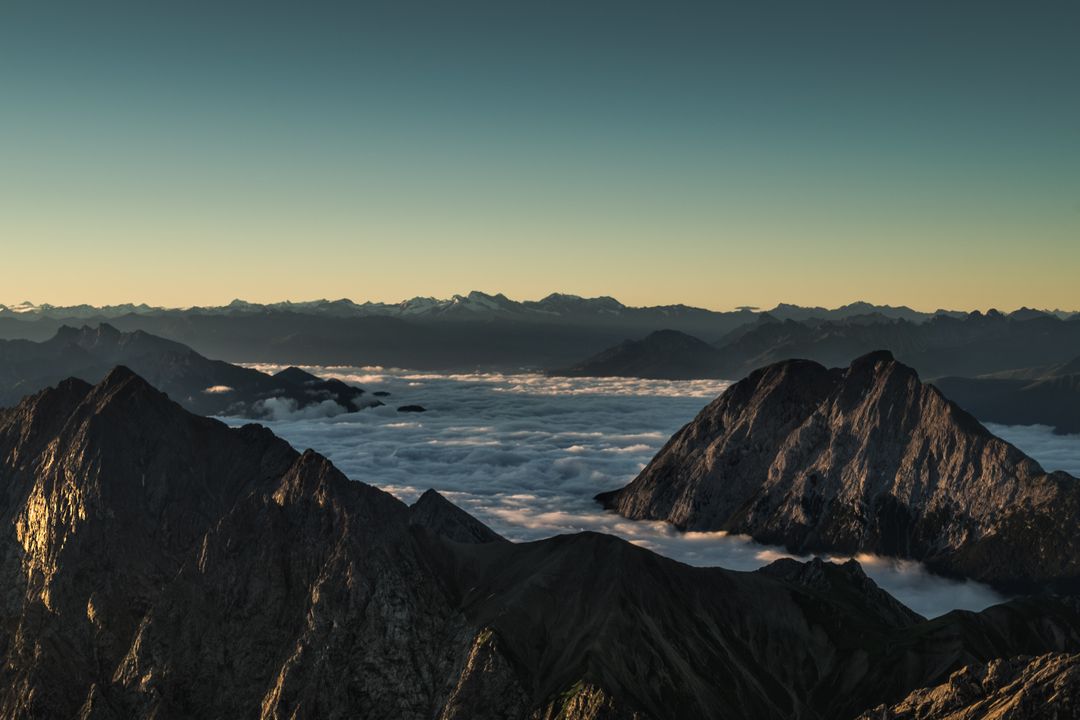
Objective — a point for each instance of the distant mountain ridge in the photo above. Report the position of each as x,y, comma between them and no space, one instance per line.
466,332
944,345
1046,395
204,386
973,344
480,331
472,304
662,355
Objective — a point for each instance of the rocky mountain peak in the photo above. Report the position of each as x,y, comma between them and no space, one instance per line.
87,335
296,376
872,361
122,391
443,518
862,459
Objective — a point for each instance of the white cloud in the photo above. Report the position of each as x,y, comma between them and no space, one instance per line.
287,409
218,390
526,454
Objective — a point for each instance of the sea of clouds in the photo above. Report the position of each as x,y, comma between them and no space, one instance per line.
526,453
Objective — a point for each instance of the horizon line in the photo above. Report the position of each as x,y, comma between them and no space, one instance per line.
732,309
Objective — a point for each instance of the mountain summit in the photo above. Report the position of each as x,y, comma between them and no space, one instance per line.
863,459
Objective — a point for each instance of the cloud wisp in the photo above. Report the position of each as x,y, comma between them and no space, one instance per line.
288,409
526,454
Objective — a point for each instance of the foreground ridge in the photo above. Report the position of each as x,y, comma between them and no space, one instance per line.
1018,689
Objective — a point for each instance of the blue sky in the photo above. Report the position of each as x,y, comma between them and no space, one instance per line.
718,154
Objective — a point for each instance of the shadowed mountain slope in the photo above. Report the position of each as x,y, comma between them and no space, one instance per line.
967,346
204,386
662,355
943,345
1030,396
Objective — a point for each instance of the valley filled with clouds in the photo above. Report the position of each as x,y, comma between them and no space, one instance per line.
526,453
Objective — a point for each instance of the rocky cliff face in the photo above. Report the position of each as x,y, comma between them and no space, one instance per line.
156,564
863,459
1041,688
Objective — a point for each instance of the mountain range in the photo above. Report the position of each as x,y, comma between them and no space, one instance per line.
944,345
204,386
158,564
474,304
1017,369
864,459
465,332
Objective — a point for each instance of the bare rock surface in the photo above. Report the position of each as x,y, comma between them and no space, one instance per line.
446,519
864,459
1041,688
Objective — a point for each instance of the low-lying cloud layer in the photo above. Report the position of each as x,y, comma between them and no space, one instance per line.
526,454
1054,452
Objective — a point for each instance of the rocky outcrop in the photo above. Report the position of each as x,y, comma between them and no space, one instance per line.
864,459
157,564
587,702
445,519
203,386
488,688
1041,688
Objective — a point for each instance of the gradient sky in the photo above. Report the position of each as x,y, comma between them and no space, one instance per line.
717,154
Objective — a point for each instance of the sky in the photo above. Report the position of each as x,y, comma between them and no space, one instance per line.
716,154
